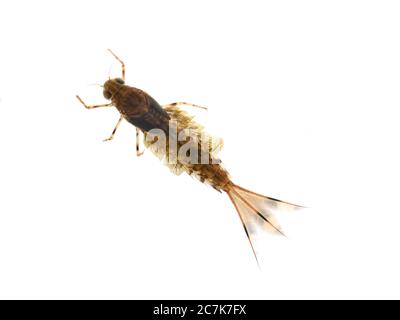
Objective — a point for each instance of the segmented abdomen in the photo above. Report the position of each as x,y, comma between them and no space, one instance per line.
208,168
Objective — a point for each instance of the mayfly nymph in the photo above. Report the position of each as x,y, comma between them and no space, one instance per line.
173,136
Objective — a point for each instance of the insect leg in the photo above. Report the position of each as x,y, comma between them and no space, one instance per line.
94,106
115,129
122,64
180,103
137,143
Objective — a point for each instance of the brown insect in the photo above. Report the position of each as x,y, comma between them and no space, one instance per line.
163,128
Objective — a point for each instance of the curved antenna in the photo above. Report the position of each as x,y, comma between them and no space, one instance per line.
95,84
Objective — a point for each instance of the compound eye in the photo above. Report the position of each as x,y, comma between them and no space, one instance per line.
119,80
107,94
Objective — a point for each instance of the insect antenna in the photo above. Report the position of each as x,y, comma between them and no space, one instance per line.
95,84
109,72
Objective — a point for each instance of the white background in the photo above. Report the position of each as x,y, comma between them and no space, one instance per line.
306,95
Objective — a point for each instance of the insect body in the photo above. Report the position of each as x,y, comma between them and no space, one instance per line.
147,115
136,106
